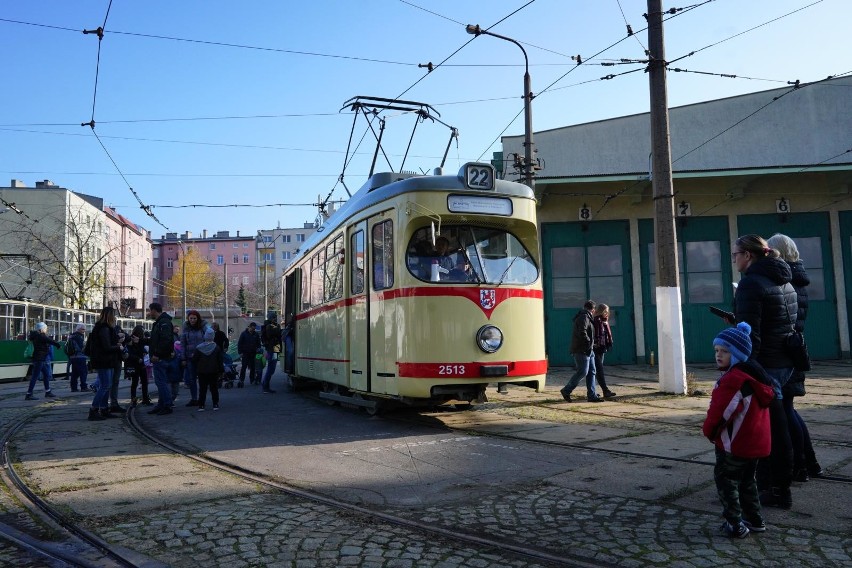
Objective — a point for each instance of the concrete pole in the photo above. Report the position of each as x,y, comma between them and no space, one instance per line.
225,277
265,285
672,360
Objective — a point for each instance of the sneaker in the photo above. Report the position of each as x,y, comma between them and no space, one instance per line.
49,394
201,408
594,399
801,475
566,396
734,531
268,391
30,396
192,403
215,407
755,526
815,470
164,411
609,394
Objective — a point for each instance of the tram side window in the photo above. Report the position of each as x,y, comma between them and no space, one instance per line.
356,255
317,277
306,287
383,255
334,270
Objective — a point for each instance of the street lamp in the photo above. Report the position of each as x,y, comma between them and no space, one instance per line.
529,172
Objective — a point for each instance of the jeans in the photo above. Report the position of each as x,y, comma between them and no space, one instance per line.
779,377
41,369
161,379
79,372
113,387
585,363
190,379
272,361
101,399
737,488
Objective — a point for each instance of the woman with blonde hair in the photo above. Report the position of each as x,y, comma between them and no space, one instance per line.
804,459
603,343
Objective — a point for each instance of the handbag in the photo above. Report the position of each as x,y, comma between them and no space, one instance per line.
796,347
28,350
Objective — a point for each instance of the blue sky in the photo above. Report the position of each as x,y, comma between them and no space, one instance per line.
189,121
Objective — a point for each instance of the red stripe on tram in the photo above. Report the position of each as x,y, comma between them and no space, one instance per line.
471,370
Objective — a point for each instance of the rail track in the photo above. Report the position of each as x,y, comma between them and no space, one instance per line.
70,545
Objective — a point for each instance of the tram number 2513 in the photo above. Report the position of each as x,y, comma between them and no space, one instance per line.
451,369
479,176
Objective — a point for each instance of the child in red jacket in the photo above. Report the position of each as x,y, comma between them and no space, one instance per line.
738,423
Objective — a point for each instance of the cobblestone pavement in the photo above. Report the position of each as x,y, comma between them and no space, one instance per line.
183,514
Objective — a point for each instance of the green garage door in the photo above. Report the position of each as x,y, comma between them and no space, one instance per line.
846,247
584,261
811,231
705,280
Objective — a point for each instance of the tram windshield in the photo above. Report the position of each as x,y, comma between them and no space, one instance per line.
465,254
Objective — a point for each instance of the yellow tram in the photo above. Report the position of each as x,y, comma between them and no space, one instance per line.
420,289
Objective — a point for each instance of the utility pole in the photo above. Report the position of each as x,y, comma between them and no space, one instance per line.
144,306
225,278
669,321
265,285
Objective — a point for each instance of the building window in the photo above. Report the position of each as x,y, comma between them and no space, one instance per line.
170,263
245,259
236,245
245,279
267,238
236,259
285,255
300,237
235,280
212,246
285,238
268,256
245,245
156,253
220,259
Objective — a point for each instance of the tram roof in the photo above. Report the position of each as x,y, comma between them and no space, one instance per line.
386,185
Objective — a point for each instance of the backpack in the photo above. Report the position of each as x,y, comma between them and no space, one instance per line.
69,348
87,349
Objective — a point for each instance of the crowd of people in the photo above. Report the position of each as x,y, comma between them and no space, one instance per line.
762,442
194,354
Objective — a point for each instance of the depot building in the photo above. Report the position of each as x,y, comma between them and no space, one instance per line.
777,161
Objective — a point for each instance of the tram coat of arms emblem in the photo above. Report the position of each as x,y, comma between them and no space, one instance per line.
487,299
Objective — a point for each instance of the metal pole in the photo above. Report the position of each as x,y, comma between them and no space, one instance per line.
183,278
669,322
265,284
144,285
226,296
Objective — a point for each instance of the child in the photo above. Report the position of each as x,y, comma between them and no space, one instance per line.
738,423
208,360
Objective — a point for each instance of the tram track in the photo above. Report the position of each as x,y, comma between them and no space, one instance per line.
541,556
407,418
77,547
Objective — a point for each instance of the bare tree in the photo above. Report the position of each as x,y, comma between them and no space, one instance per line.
68,254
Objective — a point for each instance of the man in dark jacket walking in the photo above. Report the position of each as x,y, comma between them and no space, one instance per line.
161,349
247,346
42,360
582,342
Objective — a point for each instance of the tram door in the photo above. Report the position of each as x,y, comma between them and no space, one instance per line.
382,316
358,309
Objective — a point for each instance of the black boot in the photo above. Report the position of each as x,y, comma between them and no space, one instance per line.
104,412
777,497
94,414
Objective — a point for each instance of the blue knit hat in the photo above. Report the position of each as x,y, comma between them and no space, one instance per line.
737,341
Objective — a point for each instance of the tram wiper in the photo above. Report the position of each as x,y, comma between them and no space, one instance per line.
506,272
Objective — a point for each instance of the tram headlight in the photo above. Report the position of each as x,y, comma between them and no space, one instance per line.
489,338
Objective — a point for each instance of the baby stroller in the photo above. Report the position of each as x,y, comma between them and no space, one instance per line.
230,374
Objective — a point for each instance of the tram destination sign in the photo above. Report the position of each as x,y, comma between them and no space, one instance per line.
474,204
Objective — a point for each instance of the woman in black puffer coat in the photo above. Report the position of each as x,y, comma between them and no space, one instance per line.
766,300
804,459
104,354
